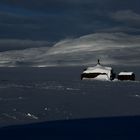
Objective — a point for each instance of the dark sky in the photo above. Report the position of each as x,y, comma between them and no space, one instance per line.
26,24
53,20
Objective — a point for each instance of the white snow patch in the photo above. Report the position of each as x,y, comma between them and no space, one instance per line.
105,72
102,78
98,69
125,73
9,116
32,116
71,89
137,95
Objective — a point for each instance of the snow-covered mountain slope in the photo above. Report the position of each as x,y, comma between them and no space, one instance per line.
111,48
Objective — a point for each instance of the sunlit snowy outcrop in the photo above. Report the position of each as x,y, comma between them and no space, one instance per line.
98,72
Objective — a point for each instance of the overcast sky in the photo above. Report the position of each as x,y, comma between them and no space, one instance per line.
41,23
53,20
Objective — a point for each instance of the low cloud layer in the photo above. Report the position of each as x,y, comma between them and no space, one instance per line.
111,48
18,44
128,17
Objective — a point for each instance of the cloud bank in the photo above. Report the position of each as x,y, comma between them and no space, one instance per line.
128,17
18,44
111,48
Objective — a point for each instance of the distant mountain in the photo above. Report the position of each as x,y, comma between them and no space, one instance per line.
111,48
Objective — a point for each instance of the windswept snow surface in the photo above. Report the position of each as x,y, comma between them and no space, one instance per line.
56,93
112,48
